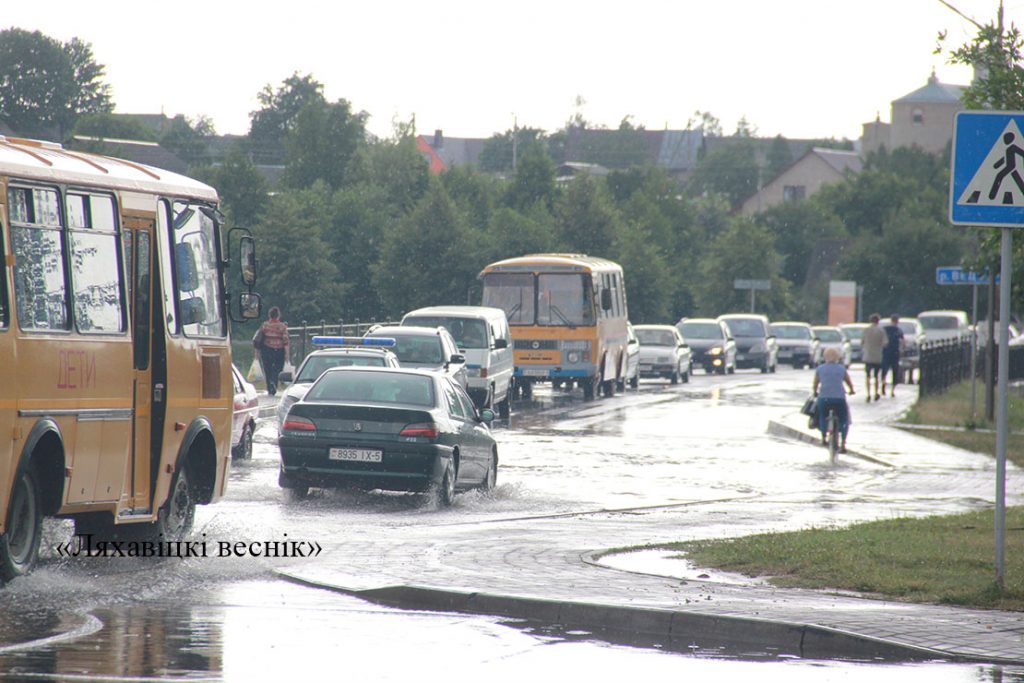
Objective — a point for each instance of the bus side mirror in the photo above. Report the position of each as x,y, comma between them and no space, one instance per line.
501,343
249,303
606,299
193,311
247,260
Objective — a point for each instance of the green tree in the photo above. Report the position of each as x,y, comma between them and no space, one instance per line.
321,143
586,218
512,233
779,157
106,125
298,273
188,138
395,165
243,190
646,273
497,155
533,182
798,228
278,114
45,86
745,251
731,170
475,194
423,258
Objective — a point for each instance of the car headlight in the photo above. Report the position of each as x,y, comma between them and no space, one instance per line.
715,351
573,357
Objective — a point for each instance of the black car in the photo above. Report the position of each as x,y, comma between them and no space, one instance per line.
387,428
711,343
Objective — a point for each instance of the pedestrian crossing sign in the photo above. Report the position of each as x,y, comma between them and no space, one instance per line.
987,175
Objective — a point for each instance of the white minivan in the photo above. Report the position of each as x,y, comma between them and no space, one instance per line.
482,334
944,325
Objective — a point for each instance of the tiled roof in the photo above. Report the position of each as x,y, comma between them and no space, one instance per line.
839,159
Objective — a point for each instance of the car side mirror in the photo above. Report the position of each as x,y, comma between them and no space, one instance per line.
487,415
633,341
501,343
284,377
457,358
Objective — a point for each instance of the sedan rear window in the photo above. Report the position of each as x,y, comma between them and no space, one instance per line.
791,332
829,336
656,338
316,365
701,330
372,387
742,327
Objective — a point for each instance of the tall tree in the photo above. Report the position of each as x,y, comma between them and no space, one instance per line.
321,142
45,86
534,180
243,190
501,149
587,219
279,113
731,170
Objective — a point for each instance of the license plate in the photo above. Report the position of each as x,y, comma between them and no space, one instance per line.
535,372
785,354
356,454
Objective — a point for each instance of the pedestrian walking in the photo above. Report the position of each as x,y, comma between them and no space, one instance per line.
871,346
829,378
891,353
271,344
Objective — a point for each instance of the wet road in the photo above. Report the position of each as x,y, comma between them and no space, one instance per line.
613,470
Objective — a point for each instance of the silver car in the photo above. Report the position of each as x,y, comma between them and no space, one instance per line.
663,353
426,348
833,338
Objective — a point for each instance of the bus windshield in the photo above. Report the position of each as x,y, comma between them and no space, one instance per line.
513,293
564,299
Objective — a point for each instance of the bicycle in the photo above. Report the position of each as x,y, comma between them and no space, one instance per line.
832,433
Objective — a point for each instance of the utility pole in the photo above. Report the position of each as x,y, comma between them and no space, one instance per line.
515,140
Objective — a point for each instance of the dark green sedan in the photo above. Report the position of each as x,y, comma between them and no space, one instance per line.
387,428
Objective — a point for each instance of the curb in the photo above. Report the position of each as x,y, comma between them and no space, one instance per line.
787,432
675,630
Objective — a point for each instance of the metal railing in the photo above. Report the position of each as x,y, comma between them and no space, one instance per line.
947,362
301,337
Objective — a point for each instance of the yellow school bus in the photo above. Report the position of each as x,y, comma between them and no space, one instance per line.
114,356
568,317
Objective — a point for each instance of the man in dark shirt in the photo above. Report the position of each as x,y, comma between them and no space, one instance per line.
891,353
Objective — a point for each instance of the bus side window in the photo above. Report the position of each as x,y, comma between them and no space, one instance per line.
40,282
3,281
95,272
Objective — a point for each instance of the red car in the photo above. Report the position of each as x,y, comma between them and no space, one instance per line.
244,424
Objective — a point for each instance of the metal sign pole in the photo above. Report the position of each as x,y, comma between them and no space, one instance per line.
752,299
1006,255
974,355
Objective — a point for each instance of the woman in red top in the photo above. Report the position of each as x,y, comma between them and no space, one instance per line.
271,342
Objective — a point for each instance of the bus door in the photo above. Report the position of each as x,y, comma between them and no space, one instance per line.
147,394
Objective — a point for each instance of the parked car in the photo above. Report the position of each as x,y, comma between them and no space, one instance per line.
833,338
426,348
756,346
854,332
663,353
913,338
246,410
482,335
388,428
349,352
797,344
711,344
945,325
632,375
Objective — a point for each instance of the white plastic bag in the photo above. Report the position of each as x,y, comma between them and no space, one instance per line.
255,371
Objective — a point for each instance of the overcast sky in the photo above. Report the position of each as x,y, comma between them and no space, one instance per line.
800,68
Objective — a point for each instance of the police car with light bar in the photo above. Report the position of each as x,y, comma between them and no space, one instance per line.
335,352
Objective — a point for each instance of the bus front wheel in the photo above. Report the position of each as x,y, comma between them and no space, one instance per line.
175,518
19,545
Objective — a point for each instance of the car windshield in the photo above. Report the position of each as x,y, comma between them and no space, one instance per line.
468,333
424,349
655,337
360,386
791,331
316,365
829,336
908,328
854,332
939,322
701,330
746,327
564,299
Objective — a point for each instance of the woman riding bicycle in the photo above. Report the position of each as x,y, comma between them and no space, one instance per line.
828,387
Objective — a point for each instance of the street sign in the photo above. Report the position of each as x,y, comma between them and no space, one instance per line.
752,284
955,275
986,185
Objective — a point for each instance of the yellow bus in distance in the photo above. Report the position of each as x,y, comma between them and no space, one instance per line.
114,355
568,318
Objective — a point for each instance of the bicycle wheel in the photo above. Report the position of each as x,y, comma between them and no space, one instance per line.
833,435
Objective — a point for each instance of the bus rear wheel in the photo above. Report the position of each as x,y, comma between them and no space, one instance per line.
19,545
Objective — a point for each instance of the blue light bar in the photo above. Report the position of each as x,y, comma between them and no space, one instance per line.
353,341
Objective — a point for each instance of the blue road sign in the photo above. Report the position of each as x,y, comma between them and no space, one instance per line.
986,186
955,275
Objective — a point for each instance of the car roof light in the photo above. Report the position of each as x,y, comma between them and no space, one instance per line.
353,341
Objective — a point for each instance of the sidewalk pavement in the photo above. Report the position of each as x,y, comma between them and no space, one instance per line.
546,576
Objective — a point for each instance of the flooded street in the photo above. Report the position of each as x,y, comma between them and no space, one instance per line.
660,464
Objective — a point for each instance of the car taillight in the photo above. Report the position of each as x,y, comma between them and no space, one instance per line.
427,430
483,373
298,424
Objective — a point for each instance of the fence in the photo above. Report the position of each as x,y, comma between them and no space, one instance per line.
945,363
301,338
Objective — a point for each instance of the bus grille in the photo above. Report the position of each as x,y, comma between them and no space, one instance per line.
536,344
